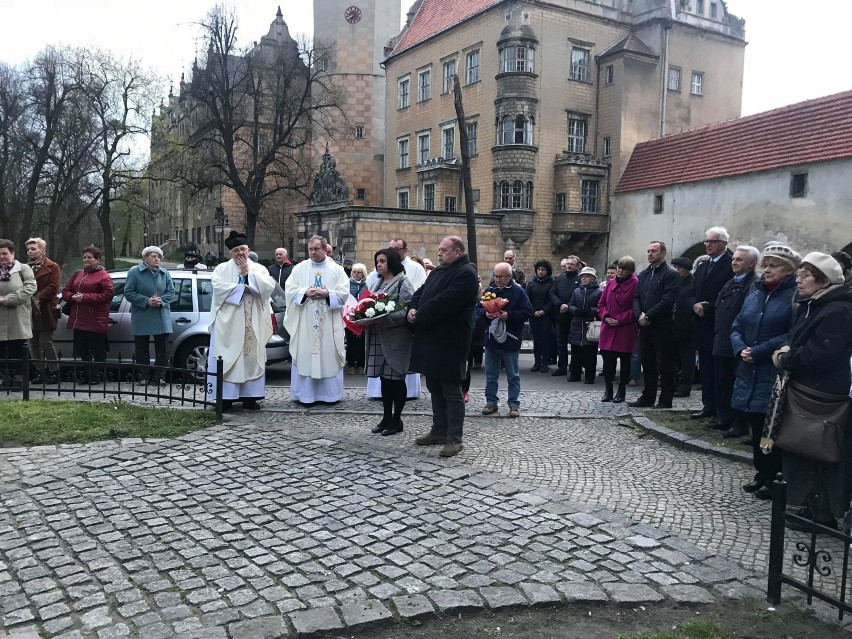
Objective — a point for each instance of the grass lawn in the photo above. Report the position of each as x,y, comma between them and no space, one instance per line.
693,629
40,422
680,421
76,263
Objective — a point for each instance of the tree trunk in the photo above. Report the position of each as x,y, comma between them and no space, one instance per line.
465,172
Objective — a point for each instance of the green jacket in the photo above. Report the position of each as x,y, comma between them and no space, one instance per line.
142,283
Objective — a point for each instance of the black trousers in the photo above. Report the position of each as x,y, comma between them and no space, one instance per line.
11,350
355,349
658,353
725,372
140,346
707,364
766,466
540,329
447,407
562,331
610,359
90,346
584,357
686,364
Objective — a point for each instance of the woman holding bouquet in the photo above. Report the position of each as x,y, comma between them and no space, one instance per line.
389,340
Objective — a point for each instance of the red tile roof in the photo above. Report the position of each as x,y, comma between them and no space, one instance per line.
435,16
814,131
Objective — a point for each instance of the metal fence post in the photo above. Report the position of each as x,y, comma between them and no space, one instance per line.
220,371
776,540
25,373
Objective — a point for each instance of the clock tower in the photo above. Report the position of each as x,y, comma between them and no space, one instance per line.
359,30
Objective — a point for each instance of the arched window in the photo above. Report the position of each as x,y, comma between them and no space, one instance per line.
504,135
504,195
520,130
529,196
517,194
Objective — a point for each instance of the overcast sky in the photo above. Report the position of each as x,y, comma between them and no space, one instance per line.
795,49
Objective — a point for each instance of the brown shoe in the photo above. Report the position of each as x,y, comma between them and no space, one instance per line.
451,449
489,410
430,439
514,412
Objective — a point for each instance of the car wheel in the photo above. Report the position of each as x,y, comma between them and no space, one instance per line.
192,356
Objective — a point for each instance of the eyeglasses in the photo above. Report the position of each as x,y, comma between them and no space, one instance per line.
708,242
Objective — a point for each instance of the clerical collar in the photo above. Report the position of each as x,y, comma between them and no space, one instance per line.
318,264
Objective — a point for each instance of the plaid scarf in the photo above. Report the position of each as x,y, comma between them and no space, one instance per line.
6,272
35,265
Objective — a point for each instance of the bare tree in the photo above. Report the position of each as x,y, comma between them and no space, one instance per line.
257,109
11,112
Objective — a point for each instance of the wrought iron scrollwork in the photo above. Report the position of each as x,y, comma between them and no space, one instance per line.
807,556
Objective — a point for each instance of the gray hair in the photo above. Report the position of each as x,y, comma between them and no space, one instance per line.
720,231
314,238
752,252
358,266
40,243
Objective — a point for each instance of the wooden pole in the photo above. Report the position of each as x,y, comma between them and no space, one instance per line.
467,188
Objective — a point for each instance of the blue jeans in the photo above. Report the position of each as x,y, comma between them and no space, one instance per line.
492,373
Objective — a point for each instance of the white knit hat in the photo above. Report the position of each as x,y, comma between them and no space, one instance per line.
782,252
588,270
152,249
826,265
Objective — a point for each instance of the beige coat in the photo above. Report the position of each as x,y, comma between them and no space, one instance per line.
16,314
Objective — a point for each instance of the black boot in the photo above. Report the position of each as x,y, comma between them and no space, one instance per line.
378,428
620,393
607,396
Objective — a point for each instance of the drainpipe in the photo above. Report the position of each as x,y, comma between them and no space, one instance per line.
667,25
597,103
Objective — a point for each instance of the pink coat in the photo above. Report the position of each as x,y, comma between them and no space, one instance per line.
617,302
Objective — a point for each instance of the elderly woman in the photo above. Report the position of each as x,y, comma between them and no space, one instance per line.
17,286
583,309
150,290
538,290
355,343
619,330
87,297
817,357
44,309
761,327
389,340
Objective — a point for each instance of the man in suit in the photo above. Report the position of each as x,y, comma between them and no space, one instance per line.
710,276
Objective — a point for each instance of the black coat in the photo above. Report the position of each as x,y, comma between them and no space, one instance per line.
821,342
656,293
280,273
584,309
443,325
728,304
705,288
683,310
561,292
539,293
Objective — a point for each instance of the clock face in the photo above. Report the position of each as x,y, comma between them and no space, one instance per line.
352,14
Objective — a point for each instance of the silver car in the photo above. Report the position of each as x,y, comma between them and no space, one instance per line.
189,341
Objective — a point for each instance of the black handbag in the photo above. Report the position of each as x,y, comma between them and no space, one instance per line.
66,308
812,422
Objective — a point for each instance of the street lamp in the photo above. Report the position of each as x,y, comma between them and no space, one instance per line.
221,228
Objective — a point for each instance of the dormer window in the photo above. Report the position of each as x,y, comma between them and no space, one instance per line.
517,58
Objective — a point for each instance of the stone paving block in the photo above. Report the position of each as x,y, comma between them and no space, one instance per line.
498,597
413,607
456,600
688,594
642,543
307,622
260,628
117,631
632,593
581,592
539,594
360,613
736,590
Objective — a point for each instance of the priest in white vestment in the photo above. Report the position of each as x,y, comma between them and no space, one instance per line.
242,325
316,292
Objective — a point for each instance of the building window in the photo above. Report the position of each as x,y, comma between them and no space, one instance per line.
360,194
517,194
359,132
422,148
449,72
561,202
517,130
404,92
517,59
576,135
472,65
697,87
589,196
609,74
472,133
714,10
429,197
402,146
674,79
505,194
448,143
402,199
699,7
424,85
207,235
607,147
528,196
658,203
799,185
579,64
450,203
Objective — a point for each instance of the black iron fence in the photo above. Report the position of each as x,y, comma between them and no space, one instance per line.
814,556
115,379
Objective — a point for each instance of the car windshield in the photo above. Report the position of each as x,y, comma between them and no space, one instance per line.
279,301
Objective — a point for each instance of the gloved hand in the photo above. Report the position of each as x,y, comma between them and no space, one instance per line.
778,356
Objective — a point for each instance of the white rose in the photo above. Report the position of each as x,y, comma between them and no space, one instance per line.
370,312
390,306
380,306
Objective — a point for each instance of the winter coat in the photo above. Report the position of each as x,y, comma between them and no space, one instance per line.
280,273
728,305
48,281
92,312
443,325
519,311
15,314
561,292
821,342
356,288
141,284
538,292
656,293
764,325
617,302
706,285
584,309
683,310
394,331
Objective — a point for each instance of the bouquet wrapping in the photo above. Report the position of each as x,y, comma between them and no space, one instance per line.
369,308
491,303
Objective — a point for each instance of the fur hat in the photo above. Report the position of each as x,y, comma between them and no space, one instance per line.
826,265
152,249
685,262
588,270
236,239
782,252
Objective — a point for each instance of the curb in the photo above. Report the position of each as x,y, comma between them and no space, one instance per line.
679,440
